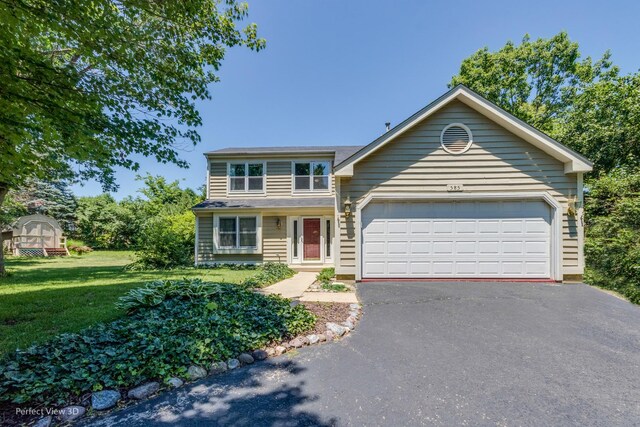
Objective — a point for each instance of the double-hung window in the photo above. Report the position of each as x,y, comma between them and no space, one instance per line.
237,232
246,177
311,176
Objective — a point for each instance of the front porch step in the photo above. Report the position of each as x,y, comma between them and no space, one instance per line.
310,268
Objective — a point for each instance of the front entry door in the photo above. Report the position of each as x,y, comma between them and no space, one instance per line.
311,238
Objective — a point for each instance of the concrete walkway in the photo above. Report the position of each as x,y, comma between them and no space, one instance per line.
346,297
296,286
293,287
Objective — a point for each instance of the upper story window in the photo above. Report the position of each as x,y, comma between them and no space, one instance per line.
311,176
246,177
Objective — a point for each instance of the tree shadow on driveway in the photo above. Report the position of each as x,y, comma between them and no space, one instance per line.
266,394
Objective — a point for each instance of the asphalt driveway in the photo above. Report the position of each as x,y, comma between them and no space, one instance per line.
438,354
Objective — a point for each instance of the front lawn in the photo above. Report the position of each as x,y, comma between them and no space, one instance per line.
46,296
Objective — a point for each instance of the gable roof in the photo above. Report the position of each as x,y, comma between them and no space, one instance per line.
573,162
340,152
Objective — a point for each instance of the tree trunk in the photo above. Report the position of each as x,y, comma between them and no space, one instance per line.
3,192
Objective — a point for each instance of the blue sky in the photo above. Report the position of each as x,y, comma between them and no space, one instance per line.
334,71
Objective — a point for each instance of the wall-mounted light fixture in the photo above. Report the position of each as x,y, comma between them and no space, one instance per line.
571,203
278,223
347,208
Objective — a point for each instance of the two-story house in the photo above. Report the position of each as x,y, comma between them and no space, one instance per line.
461,189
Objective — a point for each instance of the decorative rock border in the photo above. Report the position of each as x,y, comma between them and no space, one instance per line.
108,399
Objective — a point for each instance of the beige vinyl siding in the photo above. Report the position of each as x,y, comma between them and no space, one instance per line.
498,161
274,240
279,179
217,180
205,238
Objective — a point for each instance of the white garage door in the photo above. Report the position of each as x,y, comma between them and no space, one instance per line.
506,239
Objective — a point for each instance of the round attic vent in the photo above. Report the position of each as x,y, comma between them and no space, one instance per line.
456,138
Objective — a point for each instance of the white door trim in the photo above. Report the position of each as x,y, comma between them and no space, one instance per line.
323,232
556,221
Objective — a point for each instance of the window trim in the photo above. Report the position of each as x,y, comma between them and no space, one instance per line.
237,250
311,190
246,191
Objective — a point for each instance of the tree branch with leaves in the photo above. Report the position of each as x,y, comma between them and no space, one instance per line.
86,86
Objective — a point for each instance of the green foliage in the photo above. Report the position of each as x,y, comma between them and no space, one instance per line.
335,287
170,326
612,246
269,273
325,275
584,104
105,224
81,98
167,241
604,123
156,222
79,249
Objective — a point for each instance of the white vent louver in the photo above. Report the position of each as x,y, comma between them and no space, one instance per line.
456,138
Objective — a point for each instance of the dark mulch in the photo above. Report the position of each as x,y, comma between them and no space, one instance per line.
327,312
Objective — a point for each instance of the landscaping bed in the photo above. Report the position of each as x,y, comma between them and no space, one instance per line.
172,329
326,282
327,312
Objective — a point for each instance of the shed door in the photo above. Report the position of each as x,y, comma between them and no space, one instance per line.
490,239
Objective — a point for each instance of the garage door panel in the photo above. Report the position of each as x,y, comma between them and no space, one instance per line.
398,248
373,268
489,247
398,268
535,267
459,239
376,227
466,247
489,226
420,227
537,248
443,247
536,227
397,227
512,226
489,268
375,248
443,268
420,268
442,227
420,247
466,268
510,248
466,227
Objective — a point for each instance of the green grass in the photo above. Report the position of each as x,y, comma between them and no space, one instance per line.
47,296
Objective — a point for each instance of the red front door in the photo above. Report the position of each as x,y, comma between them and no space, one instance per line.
311,236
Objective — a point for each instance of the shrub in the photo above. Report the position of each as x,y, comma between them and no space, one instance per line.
169,326
612,244
79,249
167,242
325,275
336,287
269,273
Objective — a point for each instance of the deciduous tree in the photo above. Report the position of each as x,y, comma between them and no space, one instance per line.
88,85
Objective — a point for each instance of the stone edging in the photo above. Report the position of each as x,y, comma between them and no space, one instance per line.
108,399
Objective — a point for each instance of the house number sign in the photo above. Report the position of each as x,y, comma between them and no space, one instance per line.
454,187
